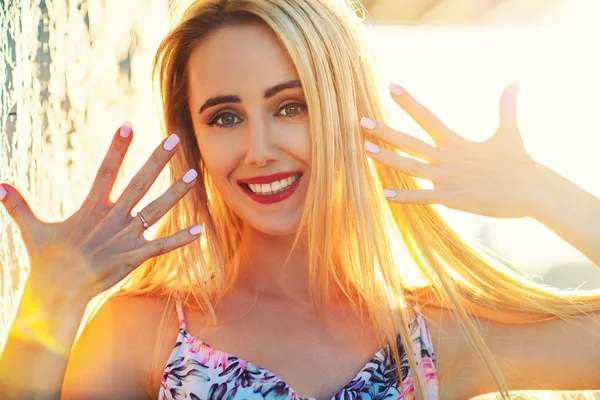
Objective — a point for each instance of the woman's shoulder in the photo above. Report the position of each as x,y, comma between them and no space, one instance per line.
455,357
115,349
134,311
146,326
135,318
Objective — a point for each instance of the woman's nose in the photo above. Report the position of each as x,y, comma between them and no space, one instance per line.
261,150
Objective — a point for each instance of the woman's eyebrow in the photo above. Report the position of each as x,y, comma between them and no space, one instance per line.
213,101
282,86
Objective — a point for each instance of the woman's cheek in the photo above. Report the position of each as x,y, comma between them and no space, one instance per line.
218,155
298,143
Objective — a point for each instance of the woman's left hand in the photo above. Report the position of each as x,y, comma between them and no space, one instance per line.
495,178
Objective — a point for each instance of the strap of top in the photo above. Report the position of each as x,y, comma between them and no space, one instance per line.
180,315
425,355
423,332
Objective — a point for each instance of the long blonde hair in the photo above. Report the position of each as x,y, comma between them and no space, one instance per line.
382,256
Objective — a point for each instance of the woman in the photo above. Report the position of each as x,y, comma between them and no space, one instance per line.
297,283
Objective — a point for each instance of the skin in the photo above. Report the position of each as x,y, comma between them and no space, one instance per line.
255,137
263,136
270,306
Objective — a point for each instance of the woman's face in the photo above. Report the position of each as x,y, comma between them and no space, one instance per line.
251,122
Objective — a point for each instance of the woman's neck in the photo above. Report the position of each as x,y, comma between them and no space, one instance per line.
265,266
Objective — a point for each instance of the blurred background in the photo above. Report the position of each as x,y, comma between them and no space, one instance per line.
72,71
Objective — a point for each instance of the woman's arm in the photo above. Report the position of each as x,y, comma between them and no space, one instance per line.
104,362
569,211
34,361
74,260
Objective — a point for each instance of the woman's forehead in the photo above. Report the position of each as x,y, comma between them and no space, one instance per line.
237,57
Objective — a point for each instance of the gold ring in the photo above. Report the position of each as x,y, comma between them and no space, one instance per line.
143,220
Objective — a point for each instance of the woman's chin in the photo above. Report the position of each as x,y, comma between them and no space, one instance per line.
276,226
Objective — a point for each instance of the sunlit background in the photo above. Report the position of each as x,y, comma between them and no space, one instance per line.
71,72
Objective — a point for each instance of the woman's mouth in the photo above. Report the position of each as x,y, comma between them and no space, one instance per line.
272,192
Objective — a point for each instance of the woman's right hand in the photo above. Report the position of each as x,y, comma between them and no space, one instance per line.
102,242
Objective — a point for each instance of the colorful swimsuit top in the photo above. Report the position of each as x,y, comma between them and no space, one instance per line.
195,370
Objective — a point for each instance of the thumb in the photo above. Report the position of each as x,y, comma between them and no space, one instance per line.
508,108
17,208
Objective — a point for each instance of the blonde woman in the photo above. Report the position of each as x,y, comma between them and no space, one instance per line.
279,151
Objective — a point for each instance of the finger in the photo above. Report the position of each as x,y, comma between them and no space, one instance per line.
145,177
402,141
164,245
417,197
18,209
154,211
439,132
508,108
109,169
403,164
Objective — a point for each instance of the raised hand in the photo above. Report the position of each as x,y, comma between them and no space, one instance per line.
101,242
494,178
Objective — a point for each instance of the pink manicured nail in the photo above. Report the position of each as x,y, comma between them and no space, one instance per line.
125,129
395,89
368,123
371,147
390,193
196,230
189,176
2,192
171,142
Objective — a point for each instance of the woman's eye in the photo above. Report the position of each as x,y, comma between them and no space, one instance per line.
224,120
291,110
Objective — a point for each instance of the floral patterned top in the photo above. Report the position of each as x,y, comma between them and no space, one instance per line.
195,370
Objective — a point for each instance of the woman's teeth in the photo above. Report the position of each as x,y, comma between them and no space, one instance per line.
267,189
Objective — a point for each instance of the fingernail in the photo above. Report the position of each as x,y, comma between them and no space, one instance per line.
368,123
189,176
390,193
395,89
371,147
196,230
2,192
171,142
125,129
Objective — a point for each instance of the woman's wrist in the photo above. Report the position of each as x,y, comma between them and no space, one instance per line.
49,320
545,191
554,194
